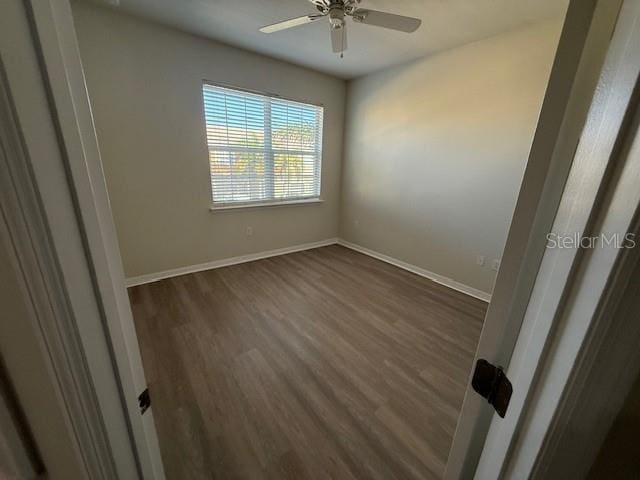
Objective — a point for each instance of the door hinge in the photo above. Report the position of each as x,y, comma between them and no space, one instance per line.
492,383
144,401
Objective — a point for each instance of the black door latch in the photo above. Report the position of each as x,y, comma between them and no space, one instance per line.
144,401
492,383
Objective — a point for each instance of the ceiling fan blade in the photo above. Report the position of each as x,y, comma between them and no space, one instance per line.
293,22
321,3
387,20
339,39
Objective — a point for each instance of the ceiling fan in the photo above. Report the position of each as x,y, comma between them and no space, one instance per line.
338,11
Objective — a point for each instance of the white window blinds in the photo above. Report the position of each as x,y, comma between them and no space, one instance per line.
261,148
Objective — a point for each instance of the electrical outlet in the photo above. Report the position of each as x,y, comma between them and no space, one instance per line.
481,260
495,265
249,231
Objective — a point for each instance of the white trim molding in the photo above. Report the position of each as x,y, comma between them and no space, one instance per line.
226,262
423,272
25,233
52,109
573,287
580,54
250,257
281,203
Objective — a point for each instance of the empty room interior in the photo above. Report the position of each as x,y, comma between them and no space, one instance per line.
311,216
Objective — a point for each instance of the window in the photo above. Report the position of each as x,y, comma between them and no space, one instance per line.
262,149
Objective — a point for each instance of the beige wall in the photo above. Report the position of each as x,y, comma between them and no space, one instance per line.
145,86
435,151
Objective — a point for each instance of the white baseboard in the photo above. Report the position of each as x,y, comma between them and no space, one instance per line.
225,262
442,280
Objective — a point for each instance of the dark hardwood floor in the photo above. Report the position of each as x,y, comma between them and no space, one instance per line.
319,364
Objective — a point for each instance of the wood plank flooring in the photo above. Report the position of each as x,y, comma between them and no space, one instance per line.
319,364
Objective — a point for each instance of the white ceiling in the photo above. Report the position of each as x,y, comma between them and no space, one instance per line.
445,24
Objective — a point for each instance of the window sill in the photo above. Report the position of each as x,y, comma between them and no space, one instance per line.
283,203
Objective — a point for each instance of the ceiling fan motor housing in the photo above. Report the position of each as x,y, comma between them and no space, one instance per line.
336,17
326,6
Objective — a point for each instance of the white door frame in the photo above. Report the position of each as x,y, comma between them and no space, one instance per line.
53,22
59,192
580,56
601,197
581,53
63,321
604,371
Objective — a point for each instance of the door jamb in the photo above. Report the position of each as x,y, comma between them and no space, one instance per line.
590,359
55,38
24,232
598,200
604,372
582,48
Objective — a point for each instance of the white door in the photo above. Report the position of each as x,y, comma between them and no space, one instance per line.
590,88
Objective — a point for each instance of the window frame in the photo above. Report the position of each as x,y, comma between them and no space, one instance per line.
291,201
